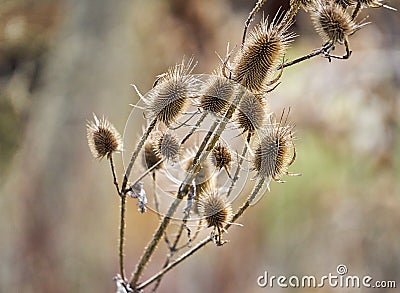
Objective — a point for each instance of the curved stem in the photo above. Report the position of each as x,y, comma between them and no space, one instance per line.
114,174
205,241
136,153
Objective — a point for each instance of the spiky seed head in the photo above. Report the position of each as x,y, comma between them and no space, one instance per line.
221,156
257,60
332,22
273,152
167,146
216,94
216,211
170,97
251,112
103,138
151,155
204,178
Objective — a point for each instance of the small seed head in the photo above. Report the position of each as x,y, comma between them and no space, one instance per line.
103,138
215,210
257,60
151,155
167,146
251,112
273,152
221,156
216,94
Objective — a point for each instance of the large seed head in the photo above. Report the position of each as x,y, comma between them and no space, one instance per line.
332,22
257,60
170,97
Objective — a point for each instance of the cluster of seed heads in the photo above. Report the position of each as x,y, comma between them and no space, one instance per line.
236,96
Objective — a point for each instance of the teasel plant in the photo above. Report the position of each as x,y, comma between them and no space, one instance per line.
190,161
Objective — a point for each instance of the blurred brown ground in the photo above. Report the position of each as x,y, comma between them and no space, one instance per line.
62,60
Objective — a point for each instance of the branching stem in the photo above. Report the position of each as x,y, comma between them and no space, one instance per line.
205,241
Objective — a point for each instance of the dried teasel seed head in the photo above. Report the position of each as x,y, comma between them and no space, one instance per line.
204,179
256,62
332,22
274,151
151,155
216,211
167,146
221,156
103,138
171,94
251,112
216,94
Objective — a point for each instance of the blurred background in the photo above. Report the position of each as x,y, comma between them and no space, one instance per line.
62,60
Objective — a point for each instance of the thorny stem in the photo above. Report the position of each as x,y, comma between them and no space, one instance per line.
114,174
122,236
205,241
236,176
249,19
208,143
136,153
323,50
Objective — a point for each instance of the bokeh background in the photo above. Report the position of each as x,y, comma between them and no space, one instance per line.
62,60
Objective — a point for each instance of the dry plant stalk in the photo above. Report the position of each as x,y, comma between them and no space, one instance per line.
233,98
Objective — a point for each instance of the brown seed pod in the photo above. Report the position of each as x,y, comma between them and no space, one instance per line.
171,94
103,138
151,155
167,146
332,22
251,112
256,62
274,152
216,212
216,94
221,156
